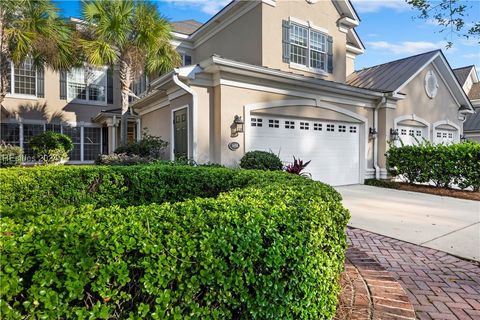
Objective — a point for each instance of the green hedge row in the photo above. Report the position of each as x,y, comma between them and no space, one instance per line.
241,245
444,165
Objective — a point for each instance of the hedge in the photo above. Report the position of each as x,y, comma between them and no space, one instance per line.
219,243
444,165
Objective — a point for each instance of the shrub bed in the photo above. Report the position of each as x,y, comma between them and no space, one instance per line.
444,165
240,244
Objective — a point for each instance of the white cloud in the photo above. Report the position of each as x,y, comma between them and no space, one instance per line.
407,47
372,35
206,6
471,55
364,6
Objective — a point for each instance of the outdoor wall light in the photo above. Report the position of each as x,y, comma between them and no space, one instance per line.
462,138
394,134
237,126
373,132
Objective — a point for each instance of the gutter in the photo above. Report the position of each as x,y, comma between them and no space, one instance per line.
187,88
375,138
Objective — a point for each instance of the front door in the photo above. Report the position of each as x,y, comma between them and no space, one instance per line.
180,138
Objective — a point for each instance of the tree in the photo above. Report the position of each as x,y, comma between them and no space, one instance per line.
451,15
131,35
32,29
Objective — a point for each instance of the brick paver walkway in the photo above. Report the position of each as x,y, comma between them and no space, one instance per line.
439,285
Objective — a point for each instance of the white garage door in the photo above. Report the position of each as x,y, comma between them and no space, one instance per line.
332,147
445,136
411,135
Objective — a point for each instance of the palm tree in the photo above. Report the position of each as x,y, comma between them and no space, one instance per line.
131,35
32,29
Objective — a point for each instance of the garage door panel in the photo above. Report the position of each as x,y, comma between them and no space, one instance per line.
332,147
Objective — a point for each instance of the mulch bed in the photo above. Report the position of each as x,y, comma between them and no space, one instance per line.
444,192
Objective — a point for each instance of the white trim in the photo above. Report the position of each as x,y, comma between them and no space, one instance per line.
22,96
416,73
271,3
412,117
354,49
172,131
293,65
154,107
446,122
176,93
446,84
363,147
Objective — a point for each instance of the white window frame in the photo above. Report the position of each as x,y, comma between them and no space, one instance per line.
310,29
12,93
87,86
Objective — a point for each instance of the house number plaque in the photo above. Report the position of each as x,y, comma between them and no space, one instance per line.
233,146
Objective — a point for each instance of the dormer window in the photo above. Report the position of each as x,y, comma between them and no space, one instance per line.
306,47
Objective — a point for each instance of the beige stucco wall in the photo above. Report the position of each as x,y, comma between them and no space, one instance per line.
52,108
350,65
241,40
322,14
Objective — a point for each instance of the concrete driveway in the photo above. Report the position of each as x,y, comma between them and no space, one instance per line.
442,223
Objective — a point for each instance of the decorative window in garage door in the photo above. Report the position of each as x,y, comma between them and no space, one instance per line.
353,129
330,127
289,124
342,128
273,123
304,126
445,136
256,122
317,126
410,135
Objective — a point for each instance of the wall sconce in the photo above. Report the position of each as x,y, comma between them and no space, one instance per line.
462,138
237,126
373,132
394,134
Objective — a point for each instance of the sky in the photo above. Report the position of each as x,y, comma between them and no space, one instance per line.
388,28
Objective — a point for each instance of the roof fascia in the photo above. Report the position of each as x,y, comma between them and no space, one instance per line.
416,73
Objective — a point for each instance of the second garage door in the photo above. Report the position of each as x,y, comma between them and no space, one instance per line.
332,147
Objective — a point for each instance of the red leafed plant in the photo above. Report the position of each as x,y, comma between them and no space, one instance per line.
297,167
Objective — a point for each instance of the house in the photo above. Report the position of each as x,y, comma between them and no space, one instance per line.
468,79
279,76
83,103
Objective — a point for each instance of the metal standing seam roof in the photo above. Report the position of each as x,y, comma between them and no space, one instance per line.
462,74
388,77
186,26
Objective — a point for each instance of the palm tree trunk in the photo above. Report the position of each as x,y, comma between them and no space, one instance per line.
125,81
4,63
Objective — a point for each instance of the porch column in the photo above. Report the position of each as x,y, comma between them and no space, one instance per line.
139,129
112,132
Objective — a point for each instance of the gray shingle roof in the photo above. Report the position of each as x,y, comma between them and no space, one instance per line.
186,26
462,74
474,93
473,121
388,77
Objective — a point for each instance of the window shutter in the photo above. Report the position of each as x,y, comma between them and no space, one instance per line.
110,86
286,41
40,82
188,60
63,85
330,54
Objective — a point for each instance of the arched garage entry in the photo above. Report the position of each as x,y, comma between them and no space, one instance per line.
331,137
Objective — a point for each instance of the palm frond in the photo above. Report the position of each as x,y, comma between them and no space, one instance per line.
98,52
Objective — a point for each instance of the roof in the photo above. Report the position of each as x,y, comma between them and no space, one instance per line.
474,93
473,122
462,73
186,26
390,76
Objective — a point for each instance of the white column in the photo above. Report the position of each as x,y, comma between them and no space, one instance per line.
81,141
139,129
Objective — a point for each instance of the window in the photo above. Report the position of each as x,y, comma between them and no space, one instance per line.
139,86
273,123
186,60
418,133
289,124
308,47
87,84
439,134
330,127
91,143
411,132
53,127
23,79
304,126
256,122
444,135
10,133
317,127
30,131
74,133
450,135
342,128
353,129
403,132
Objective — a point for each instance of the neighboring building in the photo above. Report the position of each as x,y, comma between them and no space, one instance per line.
468,79
286,69
83,103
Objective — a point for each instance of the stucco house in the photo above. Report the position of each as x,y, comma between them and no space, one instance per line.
279,76
468,79
259,75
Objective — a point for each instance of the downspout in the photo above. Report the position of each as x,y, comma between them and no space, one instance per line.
187,88
375,138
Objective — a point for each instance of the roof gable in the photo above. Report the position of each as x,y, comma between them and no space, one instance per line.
463,73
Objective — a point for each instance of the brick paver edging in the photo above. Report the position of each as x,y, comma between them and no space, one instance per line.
370,292
439,285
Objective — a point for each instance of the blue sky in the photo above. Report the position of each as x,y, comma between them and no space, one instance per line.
388,28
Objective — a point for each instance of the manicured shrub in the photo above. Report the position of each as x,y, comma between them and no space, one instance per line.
381,183
10,156
442,165
148,147
120,159
257,245
51,147
261,160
